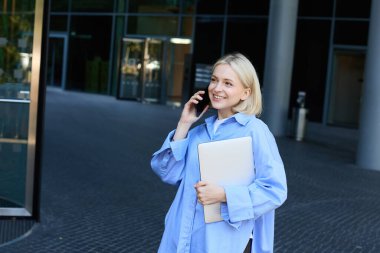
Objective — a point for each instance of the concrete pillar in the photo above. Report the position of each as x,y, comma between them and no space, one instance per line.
279,64
368,154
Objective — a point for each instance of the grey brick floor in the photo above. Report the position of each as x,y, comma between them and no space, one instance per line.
99,194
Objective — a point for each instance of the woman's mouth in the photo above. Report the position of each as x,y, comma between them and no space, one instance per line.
217,97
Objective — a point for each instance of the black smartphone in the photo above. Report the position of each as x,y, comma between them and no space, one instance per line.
203,103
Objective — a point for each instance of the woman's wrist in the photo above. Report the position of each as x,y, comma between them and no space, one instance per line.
181,131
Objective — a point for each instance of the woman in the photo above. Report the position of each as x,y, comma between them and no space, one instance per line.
248,211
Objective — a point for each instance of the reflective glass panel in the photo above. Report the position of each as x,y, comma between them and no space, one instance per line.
92,5
311,50
16,45
154,6
58,23
208,40
237,28
153,25
141,69
322,8
252,7
351,32
88,60
187,27
211,6
130,72
353,8
175,68
59,5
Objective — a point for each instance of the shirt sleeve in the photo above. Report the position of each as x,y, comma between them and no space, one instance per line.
267,192
169,161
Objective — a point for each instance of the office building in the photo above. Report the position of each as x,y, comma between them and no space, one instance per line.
160,51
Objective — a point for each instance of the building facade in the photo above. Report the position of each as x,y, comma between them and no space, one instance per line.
157,50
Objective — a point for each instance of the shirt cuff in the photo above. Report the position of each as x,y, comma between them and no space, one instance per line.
226,217
178,148
239,203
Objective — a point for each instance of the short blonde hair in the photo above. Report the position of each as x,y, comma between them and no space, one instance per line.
248,77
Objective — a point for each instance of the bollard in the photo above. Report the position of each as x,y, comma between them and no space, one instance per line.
299,117
299,123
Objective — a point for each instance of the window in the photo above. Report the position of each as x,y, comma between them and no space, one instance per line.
252,7
315,8
153,25
153,6
211,7
351,32
208,39
237,40
92,5
353,8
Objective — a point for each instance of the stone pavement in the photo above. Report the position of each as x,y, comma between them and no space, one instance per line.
100,195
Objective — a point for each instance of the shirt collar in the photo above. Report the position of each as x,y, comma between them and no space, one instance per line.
241,118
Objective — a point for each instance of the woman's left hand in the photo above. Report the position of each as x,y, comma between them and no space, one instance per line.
209,193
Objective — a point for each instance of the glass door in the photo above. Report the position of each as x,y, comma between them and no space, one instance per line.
153,69
152,77
131,67
20,61
141,69
57,61
177,51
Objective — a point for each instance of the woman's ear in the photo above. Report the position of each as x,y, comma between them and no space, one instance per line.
246,94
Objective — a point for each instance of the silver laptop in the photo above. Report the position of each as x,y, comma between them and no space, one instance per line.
226,162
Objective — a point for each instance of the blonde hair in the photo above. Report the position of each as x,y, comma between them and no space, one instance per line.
248,77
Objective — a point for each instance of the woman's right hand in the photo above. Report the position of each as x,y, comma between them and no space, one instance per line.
189,115
189,112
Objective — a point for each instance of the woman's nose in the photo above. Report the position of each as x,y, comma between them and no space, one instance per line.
218,86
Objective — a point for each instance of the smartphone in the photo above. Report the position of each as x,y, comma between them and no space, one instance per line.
203,103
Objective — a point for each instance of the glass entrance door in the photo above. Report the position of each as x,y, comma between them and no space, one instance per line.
152,69
131,64
141,69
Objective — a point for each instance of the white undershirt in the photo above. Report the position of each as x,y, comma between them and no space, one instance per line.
217,123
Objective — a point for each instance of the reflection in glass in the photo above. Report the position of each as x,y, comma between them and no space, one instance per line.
131,64
141,74
16,41
152,70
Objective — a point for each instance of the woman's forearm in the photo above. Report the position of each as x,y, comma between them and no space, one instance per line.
181,131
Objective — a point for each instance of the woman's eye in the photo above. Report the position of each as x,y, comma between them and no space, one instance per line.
228,84
213,80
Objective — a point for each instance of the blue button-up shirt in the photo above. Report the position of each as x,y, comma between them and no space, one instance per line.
249,210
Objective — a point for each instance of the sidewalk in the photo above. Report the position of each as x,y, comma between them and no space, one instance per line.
100,195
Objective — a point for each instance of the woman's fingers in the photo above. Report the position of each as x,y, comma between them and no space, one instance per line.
197,96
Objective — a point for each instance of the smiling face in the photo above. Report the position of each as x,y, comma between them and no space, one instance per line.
226,90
